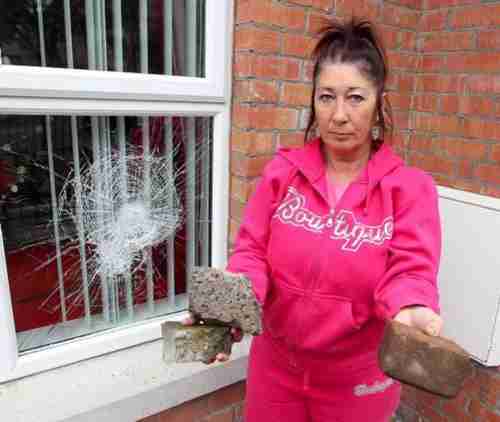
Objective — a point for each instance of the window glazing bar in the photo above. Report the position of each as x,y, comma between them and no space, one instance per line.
89,27
76,165
190,48
168,25
50,152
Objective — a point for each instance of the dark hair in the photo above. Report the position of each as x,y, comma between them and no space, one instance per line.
353,42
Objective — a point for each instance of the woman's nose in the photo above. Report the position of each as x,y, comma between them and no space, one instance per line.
339,113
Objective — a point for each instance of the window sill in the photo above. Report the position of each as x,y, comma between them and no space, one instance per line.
123,386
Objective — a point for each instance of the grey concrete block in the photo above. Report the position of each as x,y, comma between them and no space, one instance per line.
435,364
221,297
193,343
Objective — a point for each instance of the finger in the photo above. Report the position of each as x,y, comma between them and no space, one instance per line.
222,357
434,327
189,320
236,334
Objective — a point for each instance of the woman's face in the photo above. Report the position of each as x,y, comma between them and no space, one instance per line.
345,105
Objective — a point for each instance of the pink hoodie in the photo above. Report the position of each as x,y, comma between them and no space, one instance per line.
327,278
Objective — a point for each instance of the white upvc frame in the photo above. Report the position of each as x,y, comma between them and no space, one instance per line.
30,81
175,96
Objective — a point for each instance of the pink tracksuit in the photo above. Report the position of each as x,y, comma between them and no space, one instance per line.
327,280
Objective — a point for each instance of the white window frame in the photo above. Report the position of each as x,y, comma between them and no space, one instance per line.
80,92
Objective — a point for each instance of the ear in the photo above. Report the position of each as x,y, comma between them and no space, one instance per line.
386,106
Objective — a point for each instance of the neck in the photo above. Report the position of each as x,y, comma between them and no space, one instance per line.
344,168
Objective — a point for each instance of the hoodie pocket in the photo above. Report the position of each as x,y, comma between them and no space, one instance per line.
309,322
327,319
282,313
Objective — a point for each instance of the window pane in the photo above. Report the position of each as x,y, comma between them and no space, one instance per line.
102,219
143,36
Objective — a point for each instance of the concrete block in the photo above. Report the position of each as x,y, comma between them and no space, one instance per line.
220,297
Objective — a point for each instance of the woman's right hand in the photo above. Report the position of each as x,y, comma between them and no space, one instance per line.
236,336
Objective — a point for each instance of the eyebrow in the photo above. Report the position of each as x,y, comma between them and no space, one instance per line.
351,88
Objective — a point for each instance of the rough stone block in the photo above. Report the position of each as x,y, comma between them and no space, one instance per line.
435,364
220,297
191,343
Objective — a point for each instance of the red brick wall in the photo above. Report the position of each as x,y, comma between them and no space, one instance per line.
224,405
444,88
455,108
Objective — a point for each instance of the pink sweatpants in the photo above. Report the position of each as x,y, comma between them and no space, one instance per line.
276,391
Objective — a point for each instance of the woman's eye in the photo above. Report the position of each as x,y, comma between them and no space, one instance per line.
356,98
324,98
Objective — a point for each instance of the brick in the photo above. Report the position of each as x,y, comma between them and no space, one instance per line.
264,117
468,185
242,188
236,209
482,129
459,148
399,16
405,82
444,180
483,62
245,166
325,5
483,16
421,143
399,101
189,411
234,226
483,84
433,4
296,94
441,124
308,71
488,173
489,392
270,13
431,63
252,143
465,169
225,416
390,36
398,60
298,45
256,91
495,153
430,414
408,40
368,9
316,23
291,140
449,104
440,83
433,363
447,41
254,39
455,408
414,4
491,191
433,21
478,410
489,40
424,102
401,119
477,105
266,67
432,163
227,396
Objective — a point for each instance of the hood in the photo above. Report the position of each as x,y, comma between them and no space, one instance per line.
310,162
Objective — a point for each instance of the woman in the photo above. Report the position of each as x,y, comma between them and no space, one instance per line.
338,237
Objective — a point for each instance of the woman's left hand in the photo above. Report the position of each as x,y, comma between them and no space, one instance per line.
422,318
